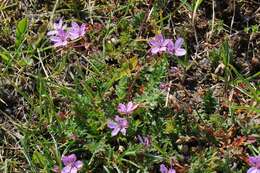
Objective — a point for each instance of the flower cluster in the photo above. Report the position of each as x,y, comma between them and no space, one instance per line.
145,140
72,165
61,35
164,169
159,45
126,108
255,163
121,124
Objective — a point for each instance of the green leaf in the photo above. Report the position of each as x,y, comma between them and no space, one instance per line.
5,57
21,30
209,102
188,5
170,127
25,62
38,158
196,4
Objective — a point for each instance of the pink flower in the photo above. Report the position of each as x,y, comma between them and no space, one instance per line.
146,141
174,70
255,163
164,86
119,125
159,44
126,108
56,27
77,31
164,169
60,39
175,48
72,165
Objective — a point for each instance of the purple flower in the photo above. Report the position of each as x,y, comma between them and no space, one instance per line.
159,44
56,27
72,165
174,70
126,108
255,163
77,31
164,86
164,169
119,125
146,141
175,48
60,39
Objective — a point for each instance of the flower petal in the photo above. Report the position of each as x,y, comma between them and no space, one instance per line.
129,107
155,50
73,170
119,119
154,43
162,49
123,131
129,104
133,108
178,43
52,32
166,42
111,124
180,52
147,141
163,168
124,123
69,159
78,164
254,161
55,39
170,47
73,35
59,24
159,38
121,108
66,169
140,139
75,25
253,170
82,30
171,171
60,43
115,131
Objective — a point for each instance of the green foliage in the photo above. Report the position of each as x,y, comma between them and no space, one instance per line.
193,6
226,54
152,79
21,30
58,101
210,162
252,29
209,102
5,57
223,58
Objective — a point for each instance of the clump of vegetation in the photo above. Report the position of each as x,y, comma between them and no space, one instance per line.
209,102
142,86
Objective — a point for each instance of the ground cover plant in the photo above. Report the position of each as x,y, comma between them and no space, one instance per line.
129,86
